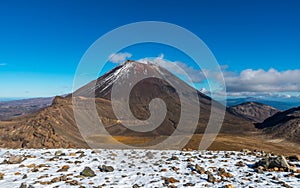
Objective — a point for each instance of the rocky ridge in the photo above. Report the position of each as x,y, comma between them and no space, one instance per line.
253,111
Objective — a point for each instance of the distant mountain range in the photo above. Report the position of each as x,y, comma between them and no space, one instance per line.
3,99
280,104
15,108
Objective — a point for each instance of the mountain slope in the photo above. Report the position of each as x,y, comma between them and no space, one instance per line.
146,90
47,128
55,126
283,125
253,111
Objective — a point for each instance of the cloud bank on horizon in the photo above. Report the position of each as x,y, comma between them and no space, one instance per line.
249,82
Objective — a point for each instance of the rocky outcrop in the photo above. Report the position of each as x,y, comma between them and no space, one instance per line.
283,125
32,134
277,163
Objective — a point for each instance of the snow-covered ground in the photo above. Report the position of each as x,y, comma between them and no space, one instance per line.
144,168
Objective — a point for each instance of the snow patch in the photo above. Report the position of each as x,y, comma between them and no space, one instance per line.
146,168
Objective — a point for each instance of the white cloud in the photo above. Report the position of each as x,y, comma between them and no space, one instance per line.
265,95
288,96
204,90
177,67
119,57
250,80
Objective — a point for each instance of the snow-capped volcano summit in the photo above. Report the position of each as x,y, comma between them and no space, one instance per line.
148,81
126,72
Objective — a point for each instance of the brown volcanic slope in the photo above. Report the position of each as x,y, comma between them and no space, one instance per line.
148,89
52,127
283,125
55,126
253,111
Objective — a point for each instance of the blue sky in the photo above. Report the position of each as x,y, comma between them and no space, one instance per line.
42,42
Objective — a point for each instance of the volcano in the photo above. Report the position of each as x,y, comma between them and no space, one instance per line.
159,85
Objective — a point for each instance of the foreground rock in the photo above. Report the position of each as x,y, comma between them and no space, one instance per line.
210,177
273,163
88,172
294,158
105,168
14,160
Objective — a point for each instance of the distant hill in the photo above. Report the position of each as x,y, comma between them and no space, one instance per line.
253,111
3,99
283,125
15,108
283,104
